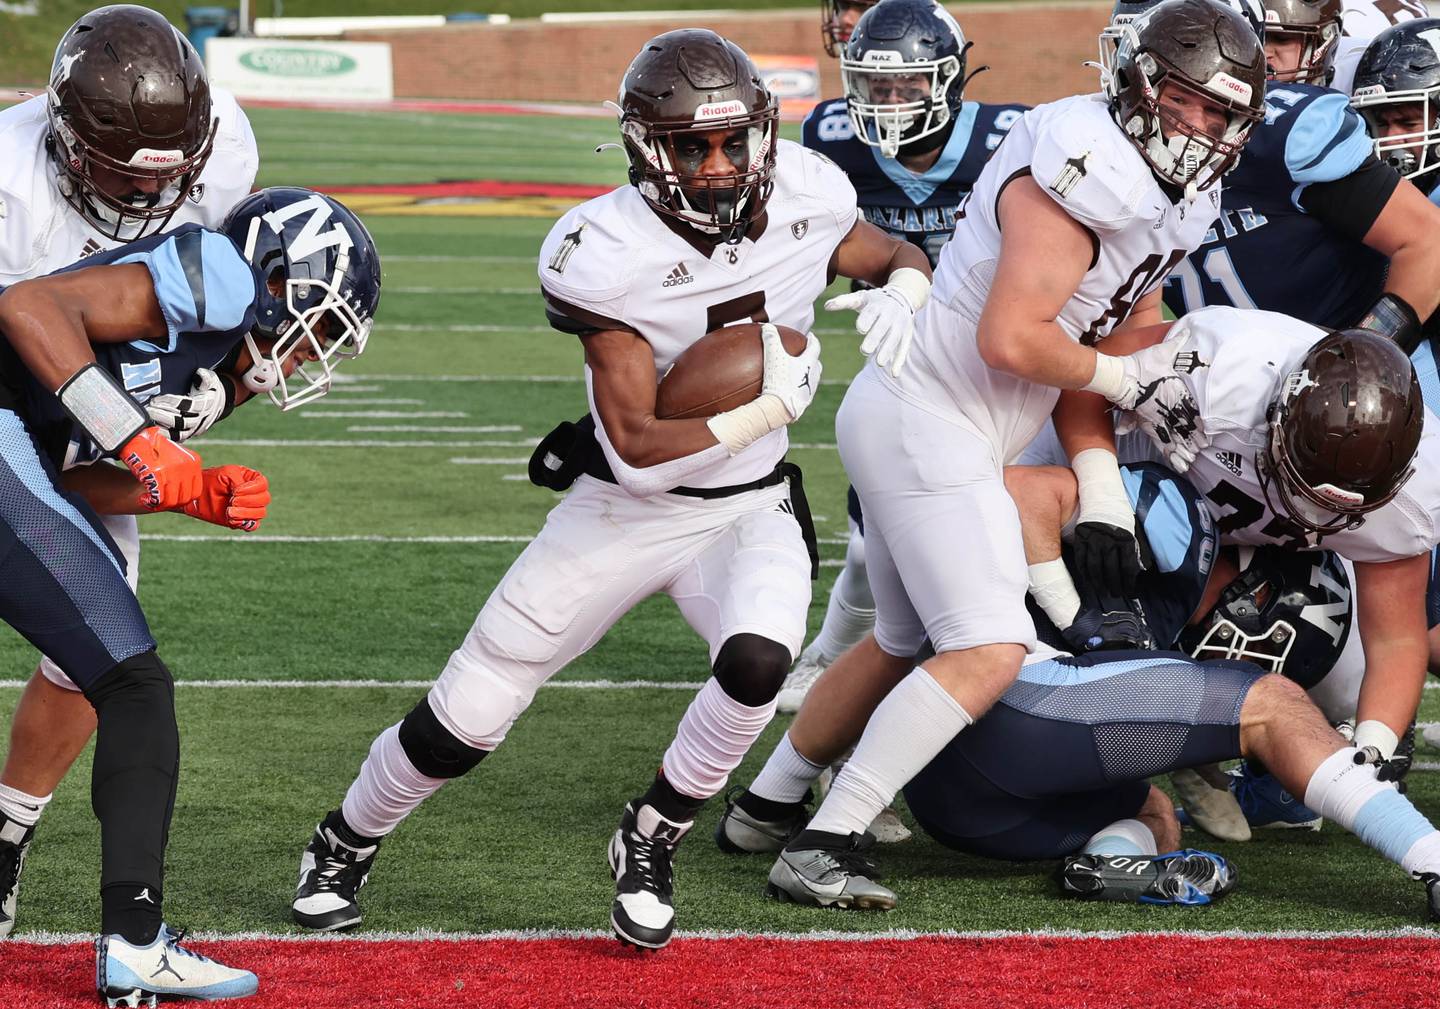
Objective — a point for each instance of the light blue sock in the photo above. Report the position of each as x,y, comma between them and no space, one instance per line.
1123,837
1349,793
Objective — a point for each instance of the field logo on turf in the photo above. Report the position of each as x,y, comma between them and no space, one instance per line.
296,62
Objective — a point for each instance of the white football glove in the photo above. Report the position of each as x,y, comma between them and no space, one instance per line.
184,417
792,380
1156,400
886,316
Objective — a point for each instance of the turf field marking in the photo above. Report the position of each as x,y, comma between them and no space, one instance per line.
397,414
529,291
342,443
422,429
366,401
458,259
408,684
369,538
346,388
817,935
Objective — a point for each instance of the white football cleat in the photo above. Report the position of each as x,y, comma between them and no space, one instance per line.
1214,810
807,670
127,975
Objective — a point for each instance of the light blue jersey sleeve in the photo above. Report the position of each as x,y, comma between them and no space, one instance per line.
1428,374
1167,521
202,281
1326,141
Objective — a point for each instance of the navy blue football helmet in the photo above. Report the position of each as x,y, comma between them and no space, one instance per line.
1288,611
904,75
1398,80
319,286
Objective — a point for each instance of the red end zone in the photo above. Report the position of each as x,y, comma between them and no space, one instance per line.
1154,971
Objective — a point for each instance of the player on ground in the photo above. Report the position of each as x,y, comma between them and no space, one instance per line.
1108,191
722,223
913,148
1358,243
128,140
837,21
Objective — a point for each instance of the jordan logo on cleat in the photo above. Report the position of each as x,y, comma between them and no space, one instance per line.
145,895
164,966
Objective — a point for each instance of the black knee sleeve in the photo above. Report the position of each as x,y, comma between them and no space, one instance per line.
431,747
137,763
750,668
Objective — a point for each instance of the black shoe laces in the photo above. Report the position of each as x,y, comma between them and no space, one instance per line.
336,873
648,865
9,870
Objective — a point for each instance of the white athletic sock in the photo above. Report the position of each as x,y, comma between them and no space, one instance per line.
787,775
387,789
711,740
1349,793
23,808
1053,590
1123,837
914,723
850,614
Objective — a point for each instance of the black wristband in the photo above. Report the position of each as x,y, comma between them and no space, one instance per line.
1393,317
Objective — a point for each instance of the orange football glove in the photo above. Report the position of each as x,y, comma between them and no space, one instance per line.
232,496
169,474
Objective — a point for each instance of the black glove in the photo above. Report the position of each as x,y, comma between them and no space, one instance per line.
1097,630
1107,559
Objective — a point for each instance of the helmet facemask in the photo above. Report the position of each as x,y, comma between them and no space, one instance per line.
833,34
1178,153
1317,50
299,335
667,159
1223,639
1415,155
893,104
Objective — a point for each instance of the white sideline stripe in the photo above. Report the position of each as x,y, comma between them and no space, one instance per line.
392,414
389,258
340,443
364,401
376,538
904,935
406,685
422,429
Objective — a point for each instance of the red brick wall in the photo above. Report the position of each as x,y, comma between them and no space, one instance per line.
1035,51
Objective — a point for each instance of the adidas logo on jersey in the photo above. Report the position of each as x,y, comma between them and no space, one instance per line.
678,276
89,248
1230,460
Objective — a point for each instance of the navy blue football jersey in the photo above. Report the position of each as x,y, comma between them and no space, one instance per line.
918,208
1265,251
207,293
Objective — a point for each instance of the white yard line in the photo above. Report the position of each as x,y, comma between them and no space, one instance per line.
423,429
364,401
370,538
819,935
601,684
340,443
384,414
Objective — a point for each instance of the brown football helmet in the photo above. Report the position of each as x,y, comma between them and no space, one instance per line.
1344,431
1206,48
833,32
130,119
685,87
1317,23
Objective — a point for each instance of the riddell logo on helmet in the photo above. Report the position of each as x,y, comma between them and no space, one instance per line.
721,110
145,156
1223,83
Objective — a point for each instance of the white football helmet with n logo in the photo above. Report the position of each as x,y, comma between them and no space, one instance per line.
319,287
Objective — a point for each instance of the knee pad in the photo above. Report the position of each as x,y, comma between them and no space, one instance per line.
141,678
750,668
432,748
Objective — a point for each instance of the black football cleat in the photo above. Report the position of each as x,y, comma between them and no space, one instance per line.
334,867
641,854
15,841
742,832
1189,878
1432,892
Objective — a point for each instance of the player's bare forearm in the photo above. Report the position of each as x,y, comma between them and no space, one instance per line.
52,321
109,489
1018,331
1390,598
1405,232
1082,421
622,375
868,254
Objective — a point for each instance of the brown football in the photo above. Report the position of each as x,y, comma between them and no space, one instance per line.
718,372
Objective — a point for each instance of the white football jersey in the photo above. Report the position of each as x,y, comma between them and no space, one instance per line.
40,232
1361,21
1234,360
1080,158
613,263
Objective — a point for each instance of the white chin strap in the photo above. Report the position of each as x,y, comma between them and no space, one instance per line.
263,375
